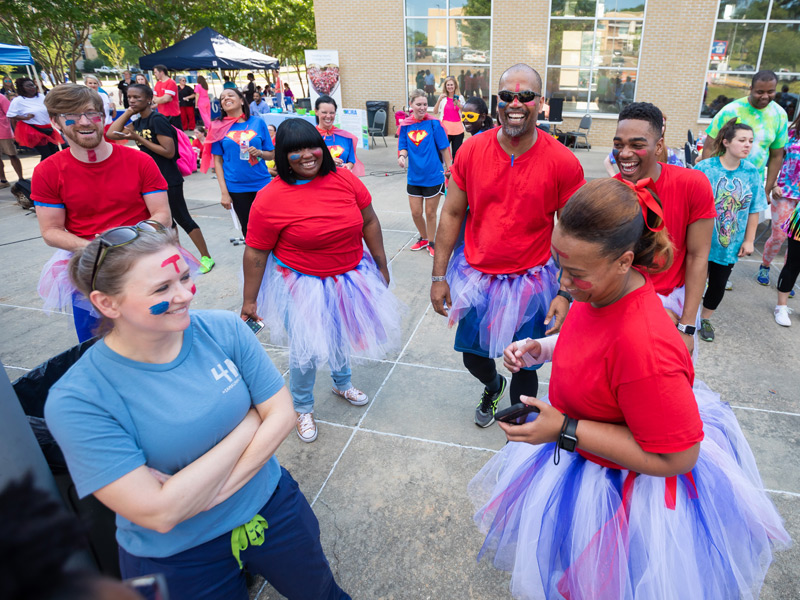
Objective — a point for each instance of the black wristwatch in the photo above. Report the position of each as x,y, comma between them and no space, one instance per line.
568,440
687,329
564,294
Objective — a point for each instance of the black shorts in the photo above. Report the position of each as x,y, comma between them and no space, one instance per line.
425,192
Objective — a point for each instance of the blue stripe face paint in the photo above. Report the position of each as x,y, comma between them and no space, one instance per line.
68,122
502,104
294,157
160,308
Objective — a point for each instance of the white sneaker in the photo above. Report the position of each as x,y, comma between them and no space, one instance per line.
728,285
782,313
354,396
306,427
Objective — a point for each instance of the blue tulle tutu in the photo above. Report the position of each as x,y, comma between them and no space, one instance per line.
503,304
580,531
330,319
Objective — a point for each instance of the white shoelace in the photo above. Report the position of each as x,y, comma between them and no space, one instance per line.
306,422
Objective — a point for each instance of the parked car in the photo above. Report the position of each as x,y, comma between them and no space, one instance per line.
439,54
106,69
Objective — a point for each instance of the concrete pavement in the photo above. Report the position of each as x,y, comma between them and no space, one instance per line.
388,480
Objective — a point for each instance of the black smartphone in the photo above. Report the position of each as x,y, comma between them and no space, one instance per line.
516,414
256,326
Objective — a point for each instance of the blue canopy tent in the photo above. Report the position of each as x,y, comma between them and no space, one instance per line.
18,56
208,49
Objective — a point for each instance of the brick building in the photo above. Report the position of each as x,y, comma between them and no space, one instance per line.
687,56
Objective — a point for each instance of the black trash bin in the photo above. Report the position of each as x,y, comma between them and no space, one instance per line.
302,103
373,106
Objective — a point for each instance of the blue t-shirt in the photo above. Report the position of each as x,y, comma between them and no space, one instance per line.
111,415
340,147
737,194
423,141
260,109
240,175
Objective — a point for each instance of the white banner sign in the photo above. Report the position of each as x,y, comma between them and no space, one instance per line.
354,120
322,70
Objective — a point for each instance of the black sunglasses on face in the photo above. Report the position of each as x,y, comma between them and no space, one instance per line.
524,97
120,236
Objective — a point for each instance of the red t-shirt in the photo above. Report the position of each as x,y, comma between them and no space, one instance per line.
511,209
686,197
97,196
168,109
313,227
626,363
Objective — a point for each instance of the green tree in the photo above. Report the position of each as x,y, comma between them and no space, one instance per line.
54,30
118,51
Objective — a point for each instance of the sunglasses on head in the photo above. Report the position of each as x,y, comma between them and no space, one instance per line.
120,236
469,116
524,97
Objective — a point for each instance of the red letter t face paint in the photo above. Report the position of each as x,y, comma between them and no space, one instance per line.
172,260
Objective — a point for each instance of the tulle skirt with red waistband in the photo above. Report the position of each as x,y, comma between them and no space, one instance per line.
581,531
31,136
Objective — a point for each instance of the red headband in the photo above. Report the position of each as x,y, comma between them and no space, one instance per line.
646,201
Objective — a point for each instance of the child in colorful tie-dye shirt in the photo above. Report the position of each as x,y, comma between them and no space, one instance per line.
789,223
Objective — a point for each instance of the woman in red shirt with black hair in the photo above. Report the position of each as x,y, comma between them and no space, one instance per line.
325,290
629,483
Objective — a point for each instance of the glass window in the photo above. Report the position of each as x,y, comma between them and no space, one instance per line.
573,8
455,40
743,9
782,48
593,53
571,43
739,48
469,40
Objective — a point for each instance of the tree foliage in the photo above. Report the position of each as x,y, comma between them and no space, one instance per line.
55,31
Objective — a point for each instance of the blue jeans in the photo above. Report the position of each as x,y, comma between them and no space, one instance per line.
301,385
85,323
290,559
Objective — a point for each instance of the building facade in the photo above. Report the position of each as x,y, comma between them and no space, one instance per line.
689,57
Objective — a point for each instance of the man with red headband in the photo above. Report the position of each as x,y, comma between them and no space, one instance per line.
503,284
688,212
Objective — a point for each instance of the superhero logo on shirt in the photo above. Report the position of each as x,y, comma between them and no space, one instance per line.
730,198
336,151
241,136
417,136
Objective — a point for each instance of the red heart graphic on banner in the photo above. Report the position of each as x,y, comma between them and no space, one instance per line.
325,79
417,136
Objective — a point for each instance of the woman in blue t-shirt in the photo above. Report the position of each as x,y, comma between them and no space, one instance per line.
172,420
422,145
240,143
738,197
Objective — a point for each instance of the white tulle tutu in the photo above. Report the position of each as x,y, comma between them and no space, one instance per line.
59,294
584,532
503,303
674,302
330,319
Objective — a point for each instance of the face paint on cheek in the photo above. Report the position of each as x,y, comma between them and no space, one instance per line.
615,153
172,260
502,104
92,155
68,122
640,153
160,308
316,152
193,289
581,284
532,103
294,157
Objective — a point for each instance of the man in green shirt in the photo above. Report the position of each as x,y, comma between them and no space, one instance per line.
769,123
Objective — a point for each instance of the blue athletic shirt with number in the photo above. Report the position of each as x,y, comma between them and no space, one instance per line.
240,175
423,141
111,415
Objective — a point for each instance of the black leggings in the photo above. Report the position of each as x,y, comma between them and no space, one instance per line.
455,143
242,201
717,278
46,150
179,210
791,269
484,370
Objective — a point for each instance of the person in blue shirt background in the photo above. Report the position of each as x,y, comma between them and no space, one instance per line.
422,144
738,196
172,420
341,144
259,106
240,154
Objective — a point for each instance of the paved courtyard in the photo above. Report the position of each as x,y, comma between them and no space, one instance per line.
388,480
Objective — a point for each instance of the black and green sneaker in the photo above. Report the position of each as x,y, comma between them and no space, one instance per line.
706,331
484,414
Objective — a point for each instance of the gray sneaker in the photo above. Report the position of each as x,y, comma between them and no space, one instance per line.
706,332
484,413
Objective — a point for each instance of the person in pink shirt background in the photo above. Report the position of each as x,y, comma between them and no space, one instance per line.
448,109
7,144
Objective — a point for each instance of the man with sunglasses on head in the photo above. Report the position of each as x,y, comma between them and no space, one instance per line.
502,285
86,189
